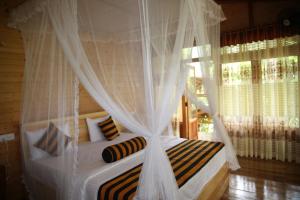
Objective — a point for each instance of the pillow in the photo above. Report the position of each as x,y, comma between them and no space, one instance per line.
94,130
32,137
49,141
109,129
118,151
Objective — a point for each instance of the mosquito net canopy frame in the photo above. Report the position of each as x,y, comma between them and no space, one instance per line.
128,55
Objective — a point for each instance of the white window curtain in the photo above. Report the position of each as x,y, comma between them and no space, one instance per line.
259,98
127,55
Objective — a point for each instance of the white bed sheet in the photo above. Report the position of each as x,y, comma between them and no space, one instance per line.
93,171
90,158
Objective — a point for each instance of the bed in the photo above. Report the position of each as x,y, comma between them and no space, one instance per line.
94,174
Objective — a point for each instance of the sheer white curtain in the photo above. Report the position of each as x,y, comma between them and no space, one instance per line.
208,45
127,55
260,98
153,75
50,95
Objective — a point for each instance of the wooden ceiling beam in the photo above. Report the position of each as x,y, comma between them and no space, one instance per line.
245,1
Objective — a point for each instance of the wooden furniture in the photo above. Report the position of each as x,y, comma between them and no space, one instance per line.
192,133
2,182
193,129
188,127
183,126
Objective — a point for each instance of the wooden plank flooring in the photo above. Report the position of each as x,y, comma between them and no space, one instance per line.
261,179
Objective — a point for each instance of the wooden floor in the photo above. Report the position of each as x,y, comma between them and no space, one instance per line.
260,179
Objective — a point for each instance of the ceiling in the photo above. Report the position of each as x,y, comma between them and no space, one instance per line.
10,4
6,5
239,13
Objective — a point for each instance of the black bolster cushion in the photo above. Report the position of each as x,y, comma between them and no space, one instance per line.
118,151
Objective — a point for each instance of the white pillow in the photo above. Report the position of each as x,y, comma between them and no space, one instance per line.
33,136
94,130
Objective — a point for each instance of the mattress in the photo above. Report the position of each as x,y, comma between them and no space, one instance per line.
46,170
93,171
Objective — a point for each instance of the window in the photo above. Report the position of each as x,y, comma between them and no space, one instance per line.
260,80
280,88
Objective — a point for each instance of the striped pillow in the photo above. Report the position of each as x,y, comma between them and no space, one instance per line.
118,151
109,129
49,141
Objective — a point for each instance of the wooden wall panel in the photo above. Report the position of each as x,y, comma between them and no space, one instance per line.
86,103
12,60
11,76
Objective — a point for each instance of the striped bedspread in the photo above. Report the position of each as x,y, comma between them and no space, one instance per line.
187,158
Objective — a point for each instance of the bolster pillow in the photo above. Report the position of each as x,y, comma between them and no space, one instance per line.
118,151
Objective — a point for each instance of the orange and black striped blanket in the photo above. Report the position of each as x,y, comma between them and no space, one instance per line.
187,158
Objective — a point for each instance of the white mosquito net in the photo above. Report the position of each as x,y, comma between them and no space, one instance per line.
128,55
208,52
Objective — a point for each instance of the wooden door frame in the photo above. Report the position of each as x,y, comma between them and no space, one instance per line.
184,133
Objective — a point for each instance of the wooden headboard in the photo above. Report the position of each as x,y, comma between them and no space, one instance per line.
83,130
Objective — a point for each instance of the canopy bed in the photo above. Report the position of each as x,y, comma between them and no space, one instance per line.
206,184
128,56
